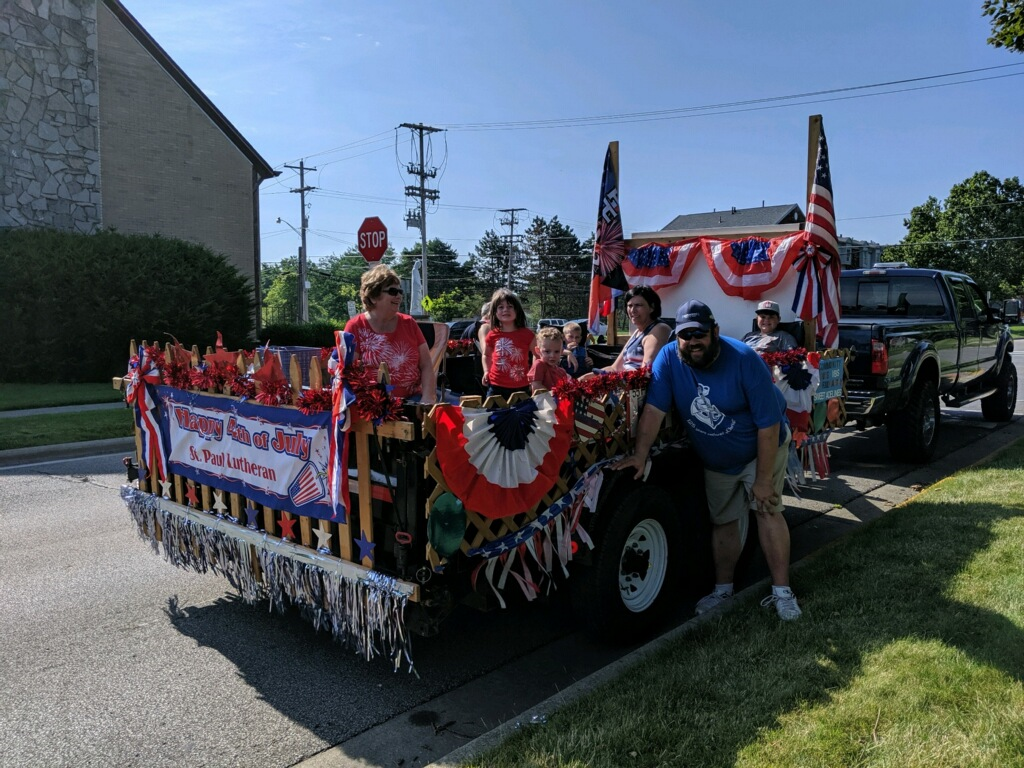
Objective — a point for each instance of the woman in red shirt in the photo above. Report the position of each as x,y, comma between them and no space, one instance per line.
385,335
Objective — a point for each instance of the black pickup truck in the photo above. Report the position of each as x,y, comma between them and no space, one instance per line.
919,335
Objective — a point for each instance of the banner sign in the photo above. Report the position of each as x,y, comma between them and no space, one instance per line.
830,381
275,456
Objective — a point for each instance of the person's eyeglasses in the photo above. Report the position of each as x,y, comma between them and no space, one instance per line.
393,291
691,334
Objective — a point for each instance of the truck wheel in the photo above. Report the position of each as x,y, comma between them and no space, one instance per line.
635,575
1000,404
914,431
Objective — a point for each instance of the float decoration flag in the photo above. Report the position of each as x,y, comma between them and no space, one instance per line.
341,398
501,462
609,246
747,268
659,265
817,292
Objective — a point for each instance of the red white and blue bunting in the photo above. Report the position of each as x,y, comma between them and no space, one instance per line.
501,462
142,379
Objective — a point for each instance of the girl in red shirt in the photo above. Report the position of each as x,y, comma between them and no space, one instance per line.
506,355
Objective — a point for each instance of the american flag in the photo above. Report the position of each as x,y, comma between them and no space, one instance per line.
817,294
658,265
609,245
749,267
589,418
821,217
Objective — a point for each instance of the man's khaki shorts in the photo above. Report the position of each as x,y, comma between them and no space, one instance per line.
730,496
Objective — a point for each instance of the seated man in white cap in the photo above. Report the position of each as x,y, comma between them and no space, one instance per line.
768,337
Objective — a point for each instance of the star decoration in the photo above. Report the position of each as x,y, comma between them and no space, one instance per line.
323,540
251,515
287,527
365,547
190,494
165,488
218,503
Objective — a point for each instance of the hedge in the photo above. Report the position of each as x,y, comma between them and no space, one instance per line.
73,302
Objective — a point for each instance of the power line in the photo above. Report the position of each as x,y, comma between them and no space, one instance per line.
725,107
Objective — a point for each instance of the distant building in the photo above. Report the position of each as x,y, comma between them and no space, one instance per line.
740,218
100,128
858,254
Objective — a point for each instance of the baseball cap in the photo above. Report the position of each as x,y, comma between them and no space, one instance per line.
768,306
694,314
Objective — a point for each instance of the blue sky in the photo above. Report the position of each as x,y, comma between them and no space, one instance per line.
330,82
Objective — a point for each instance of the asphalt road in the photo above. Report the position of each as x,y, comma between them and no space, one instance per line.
114,657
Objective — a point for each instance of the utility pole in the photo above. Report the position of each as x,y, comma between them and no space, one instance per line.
513,239
303,224
420,217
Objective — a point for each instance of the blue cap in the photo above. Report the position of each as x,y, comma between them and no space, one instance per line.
694,315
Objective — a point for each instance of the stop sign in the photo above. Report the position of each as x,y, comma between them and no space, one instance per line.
373,239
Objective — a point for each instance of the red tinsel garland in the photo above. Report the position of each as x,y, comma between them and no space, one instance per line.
460,346
597,386
373,401
177,374
315,400
782,359
276,392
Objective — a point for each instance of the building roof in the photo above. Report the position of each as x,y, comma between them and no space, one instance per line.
178,75
769,215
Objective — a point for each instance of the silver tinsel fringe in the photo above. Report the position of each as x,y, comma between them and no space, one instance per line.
363,610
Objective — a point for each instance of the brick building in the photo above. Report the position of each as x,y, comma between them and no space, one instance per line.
100,128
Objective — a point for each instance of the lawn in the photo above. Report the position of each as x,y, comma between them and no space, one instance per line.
30,431
910,652
17,396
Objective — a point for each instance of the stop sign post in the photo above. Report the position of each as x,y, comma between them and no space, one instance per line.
373,239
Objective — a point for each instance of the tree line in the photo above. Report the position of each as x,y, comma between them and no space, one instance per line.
550,270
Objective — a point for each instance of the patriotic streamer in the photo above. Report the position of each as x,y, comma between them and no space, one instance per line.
817,292
142,378
659,265
501,462
341,399
747,268
365,611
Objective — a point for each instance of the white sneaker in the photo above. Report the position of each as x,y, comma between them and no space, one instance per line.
785,605
712,601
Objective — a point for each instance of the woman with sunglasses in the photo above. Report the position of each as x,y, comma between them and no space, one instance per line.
650,333
385,335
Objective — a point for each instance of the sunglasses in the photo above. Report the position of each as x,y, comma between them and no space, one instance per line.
393,291
687,335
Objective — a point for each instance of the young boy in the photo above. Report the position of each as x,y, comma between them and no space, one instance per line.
545,372
574,346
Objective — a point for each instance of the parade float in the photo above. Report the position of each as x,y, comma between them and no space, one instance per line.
305,484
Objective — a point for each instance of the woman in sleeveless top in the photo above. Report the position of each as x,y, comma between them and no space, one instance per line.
643,307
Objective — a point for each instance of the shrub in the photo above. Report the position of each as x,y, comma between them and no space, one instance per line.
319,334
73,302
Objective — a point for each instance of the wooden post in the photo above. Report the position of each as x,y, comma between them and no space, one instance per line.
813,132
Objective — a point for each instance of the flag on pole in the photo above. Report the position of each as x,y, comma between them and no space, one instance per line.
609,245
817,294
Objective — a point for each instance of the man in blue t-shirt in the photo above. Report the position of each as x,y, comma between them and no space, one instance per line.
736,419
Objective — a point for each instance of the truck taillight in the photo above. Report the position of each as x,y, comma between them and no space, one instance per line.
879,358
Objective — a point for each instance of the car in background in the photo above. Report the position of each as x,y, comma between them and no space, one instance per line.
458,327
551,322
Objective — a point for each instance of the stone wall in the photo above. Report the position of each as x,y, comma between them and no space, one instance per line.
49,104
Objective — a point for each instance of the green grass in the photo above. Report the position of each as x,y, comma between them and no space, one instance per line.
30,431
17,396
910,652
1017,331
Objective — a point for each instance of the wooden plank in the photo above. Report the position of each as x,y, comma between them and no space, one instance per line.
295,378
306,531
365,491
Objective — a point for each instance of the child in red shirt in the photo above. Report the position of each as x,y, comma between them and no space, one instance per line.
506,354
546,371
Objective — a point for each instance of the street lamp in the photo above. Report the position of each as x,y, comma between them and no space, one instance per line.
303,284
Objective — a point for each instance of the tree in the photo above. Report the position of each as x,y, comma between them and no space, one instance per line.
1007,23
559,269
490,264
978,230
334,282
452,305
444,270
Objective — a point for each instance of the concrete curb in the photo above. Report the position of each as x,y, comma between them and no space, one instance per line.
43,453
